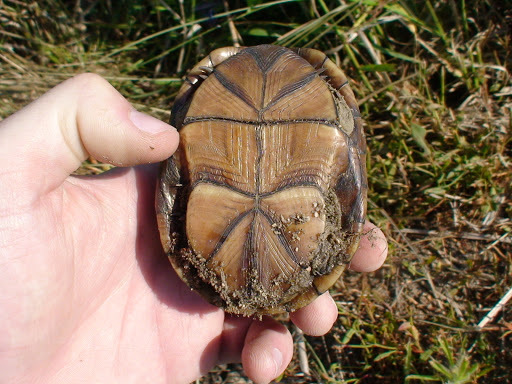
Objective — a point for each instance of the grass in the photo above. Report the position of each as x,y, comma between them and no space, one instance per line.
433,79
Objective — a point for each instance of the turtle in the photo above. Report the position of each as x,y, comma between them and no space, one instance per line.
262,206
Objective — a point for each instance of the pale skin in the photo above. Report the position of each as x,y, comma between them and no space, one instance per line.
86,293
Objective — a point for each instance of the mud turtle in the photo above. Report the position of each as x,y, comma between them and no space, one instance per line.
263,204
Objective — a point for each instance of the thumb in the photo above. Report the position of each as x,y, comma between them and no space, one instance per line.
85,115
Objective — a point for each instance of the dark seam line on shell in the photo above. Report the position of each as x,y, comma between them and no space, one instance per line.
263,91
289,89
234,89
323,62
220,184
318,292
259,156
262,195
342,85
198,119
336,99
249,262
226,233
270,61
281,238
267,61
291,185
252,261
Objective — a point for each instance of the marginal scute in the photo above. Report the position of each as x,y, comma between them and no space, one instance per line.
262,205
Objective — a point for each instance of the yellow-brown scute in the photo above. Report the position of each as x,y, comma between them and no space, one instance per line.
300,95
225,152
241,239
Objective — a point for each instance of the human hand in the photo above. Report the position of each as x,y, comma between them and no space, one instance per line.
86,293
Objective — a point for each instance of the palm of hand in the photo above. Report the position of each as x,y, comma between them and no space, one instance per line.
87,257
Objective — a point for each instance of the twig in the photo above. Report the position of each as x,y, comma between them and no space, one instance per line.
463,235
495,310
181,20
375,56
301,351
235,36
184,32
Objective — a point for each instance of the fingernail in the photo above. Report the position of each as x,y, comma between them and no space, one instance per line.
148,123
277,356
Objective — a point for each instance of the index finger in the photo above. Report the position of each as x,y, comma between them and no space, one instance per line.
372,250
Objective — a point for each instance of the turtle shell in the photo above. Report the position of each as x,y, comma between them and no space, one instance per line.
263,203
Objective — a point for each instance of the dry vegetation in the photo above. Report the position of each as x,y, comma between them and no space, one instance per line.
433,78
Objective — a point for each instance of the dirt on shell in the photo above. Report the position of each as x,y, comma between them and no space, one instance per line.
283,294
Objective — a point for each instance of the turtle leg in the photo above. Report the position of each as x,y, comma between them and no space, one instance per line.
353,205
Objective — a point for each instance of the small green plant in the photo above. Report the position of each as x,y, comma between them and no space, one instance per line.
455,368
